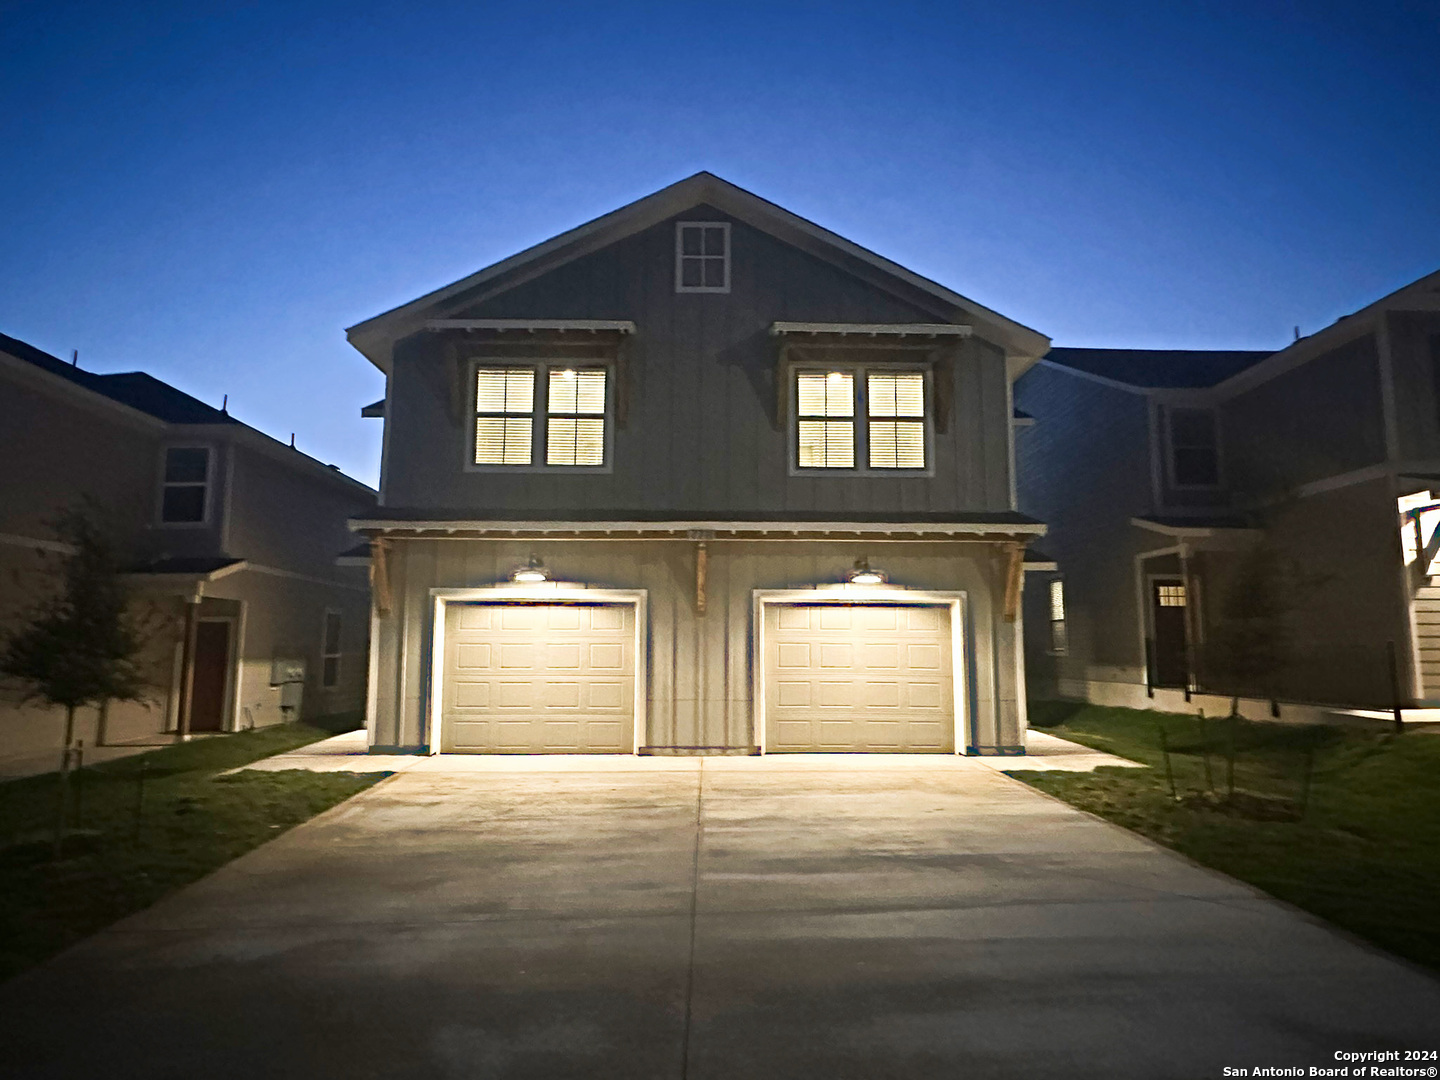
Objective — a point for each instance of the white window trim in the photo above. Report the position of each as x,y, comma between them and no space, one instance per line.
339,652
1169,424
210,471
542,594
680,227
965,736
539,430
861,419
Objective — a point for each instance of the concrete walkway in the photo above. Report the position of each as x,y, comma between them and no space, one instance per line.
845,917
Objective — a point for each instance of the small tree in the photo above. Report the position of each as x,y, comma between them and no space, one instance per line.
1253,640
79,646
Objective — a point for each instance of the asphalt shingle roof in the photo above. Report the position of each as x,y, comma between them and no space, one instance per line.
133,388
1159,369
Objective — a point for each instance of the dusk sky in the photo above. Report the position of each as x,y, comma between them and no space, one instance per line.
213,192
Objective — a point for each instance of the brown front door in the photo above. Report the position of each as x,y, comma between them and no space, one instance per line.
212,676
1167,608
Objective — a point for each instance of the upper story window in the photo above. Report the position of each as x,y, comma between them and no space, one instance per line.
185,488
554,413
828,434
1194,448
702,256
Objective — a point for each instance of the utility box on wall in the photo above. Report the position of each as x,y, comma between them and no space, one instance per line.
287,674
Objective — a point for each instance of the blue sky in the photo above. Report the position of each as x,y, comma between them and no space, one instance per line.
212,192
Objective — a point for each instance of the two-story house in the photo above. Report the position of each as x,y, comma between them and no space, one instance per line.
230,538
697,477
1161,472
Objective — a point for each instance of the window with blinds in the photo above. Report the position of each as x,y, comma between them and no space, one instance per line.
504,416
575,432
825,412
896,406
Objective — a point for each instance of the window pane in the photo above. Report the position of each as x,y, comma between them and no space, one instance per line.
714,273
829,393
690,240
897,394
332,670
574,391
714,240
1192,427
1196,467
827,444
1057,600
332,633
897,444
502,440
185,503
187,465
690,273
505,390
575,442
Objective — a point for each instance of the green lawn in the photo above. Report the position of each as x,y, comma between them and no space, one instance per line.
1365,854
191,822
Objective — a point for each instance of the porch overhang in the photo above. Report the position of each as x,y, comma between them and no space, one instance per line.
1198,528
185,577
1005,527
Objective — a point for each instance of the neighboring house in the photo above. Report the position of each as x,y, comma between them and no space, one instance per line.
233,539
697,477
1160,473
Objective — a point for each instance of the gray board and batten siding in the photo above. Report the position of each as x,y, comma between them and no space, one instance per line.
699,667
701,433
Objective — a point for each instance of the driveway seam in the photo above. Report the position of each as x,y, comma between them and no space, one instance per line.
694,912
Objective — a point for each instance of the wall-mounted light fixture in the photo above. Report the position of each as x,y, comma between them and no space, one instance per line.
861,574
531,573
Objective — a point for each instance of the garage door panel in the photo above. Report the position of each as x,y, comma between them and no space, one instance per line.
858,677
543,678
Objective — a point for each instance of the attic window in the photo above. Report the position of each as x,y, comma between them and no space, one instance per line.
702,256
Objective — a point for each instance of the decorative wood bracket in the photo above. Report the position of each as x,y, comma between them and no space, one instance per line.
782,384
380,576
1014,573
943,368
702,565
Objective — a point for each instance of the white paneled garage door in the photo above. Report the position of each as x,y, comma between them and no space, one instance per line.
858,677
539,679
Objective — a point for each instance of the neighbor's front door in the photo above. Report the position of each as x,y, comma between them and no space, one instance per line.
1167,613
212,676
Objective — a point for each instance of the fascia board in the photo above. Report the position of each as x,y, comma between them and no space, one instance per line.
684,528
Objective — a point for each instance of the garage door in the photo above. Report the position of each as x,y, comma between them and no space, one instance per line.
539,679
856,677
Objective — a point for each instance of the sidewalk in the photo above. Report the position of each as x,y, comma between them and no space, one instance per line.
341,753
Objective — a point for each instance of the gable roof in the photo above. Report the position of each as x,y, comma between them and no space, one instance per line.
135,390
374,337
1159,369
140,391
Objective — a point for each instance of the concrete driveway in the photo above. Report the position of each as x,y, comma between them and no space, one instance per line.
709,918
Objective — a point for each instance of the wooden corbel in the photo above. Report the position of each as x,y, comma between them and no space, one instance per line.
782,384
702,565
455,376
622,383
380,576
1014,573
943,367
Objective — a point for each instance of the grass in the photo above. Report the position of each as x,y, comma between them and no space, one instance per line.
192,822
1364,853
